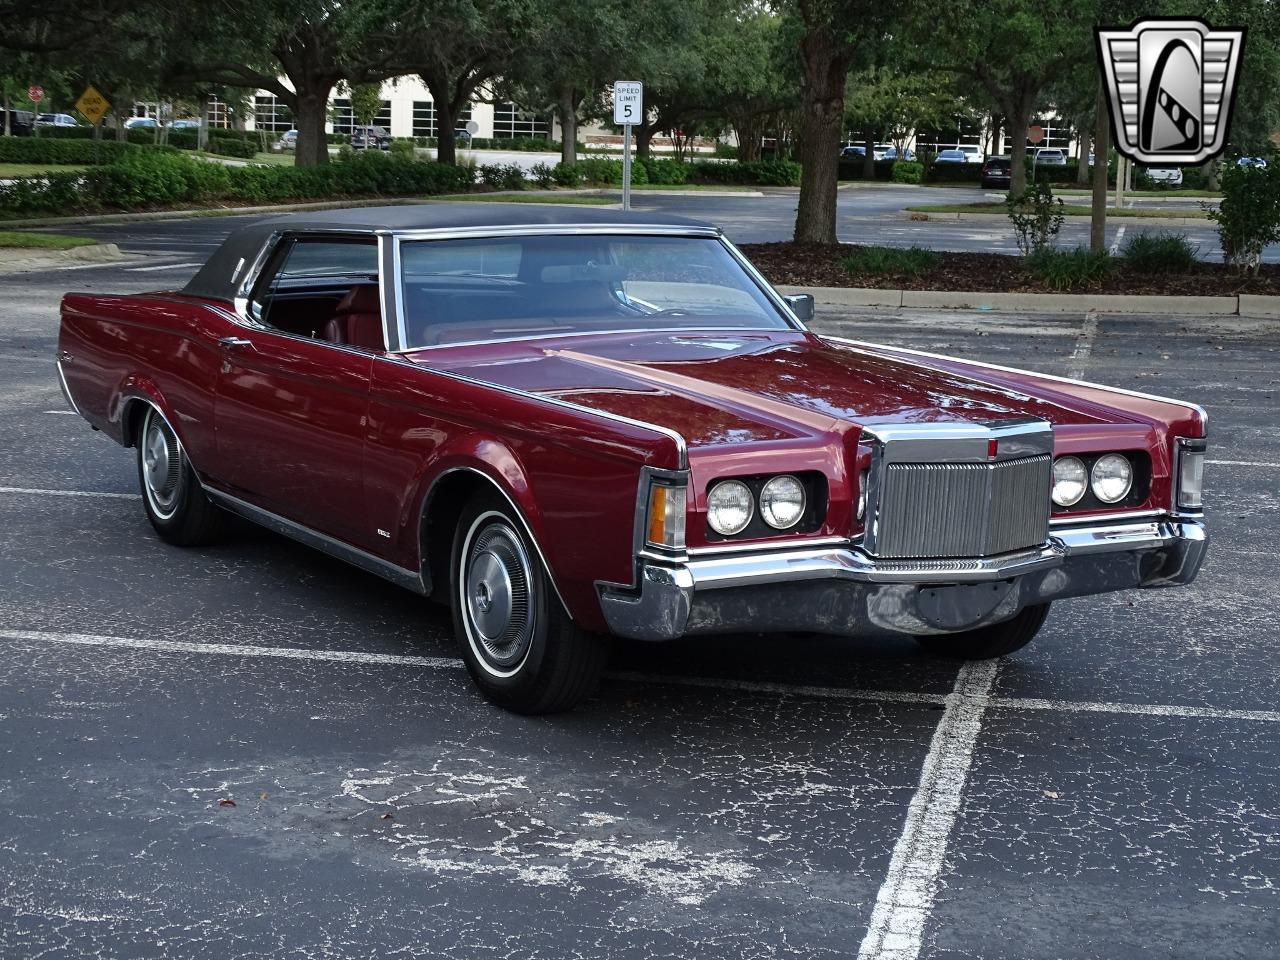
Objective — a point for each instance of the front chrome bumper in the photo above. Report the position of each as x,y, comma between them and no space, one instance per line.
842,590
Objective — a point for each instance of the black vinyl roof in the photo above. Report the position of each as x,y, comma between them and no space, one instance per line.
218,277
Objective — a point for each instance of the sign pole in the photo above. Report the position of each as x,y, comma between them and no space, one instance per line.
626,166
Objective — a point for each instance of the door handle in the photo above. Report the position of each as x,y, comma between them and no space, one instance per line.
232,342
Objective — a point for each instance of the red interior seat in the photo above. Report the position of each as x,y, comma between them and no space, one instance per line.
357,320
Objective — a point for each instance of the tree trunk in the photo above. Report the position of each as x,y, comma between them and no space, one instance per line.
1082,158
446,138
1019,121
822,119
568,110
869,158
309,110
8,130
747,129
1212,169
1101,150
644,134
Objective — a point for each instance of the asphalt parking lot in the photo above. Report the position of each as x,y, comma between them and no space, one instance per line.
867,214
252,750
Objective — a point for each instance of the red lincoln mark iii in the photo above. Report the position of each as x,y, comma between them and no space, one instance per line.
571,424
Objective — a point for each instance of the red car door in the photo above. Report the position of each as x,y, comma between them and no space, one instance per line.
291,407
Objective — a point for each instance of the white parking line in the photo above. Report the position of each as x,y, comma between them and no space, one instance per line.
165,266
906,897
1244,463
1115,244
1135,709
62,413
1079,359
36,492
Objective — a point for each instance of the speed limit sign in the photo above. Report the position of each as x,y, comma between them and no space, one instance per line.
628,102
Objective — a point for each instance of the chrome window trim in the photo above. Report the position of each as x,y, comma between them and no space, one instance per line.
586,333
1187,405
559,229
389,292
773,296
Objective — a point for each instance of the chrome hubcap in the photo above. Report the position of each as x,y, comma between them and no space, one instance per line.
496,593
161,464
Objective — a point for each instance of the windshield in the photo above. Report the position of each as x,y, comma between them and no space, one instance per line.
502,288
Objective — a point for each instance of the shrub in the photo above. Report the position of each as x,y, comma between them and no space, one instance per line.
884,261
1160,252
1069,269
567,174
1036,216
1248,217
233,148
543,175
502,176
664,171
907,171
773,173
403,150
346,152
158,178
1194,178
49,150
954,172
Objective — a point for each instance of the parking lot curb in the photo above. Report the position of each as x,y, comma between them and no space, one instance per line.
144,216
1244,304
35,259
1077,217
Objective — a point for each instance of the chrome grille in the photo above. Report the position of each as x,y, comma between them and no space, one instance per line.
963,509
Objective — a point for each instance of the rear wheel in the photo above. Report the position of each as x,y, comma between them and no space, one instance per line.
171,493
519,644
986,643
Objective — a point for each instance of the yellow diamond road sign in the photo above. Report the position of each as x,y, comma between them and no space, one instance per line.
92,104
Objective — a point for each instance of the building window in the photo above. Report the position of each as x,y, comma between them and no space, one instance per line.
272,115
963,133
344,122
509,122
424,119
1056,134
219,114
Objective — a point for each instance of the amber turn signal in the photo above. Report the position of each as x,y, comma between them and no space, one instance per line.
666,516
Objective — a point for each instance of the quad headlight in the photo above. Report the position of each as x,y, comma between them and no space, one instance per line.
730,507
1111,478
782,502
1070,481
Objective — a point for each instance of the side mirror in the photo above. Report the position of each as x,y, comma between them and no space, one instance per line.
801,305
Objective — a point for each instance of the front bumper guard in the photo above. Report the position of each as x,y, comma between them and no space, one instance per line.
845,591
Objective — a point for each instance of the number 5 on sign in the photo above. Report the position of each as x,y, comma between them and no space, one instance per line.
628,102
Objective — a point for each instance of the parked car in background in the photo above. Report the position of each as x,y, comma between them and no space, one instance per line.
852,152
370,138
892,154
951,156
1163,176
189,124
1259,162
288,140
575,422
1050,157
462,135
972,153
996,172
57,120
141,122
21,122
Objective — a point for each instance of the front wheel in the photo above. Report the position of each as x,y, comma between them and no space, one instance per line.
175,502
518,642
986,643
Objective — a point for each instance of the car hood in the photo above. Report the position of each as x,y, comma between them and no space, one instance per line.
717,387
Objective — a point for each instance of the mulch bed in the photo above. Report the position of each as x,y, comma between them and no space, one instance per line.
819,265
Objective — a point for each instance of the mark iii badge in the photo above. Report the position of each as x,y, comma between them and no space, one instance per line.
1171,85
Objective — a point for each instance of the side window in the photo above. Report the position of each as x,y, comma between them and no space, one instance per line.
322,287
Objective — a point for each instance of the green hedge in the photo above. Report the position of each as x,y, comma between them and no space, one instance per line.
49,150
664,171
148,179
768,173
